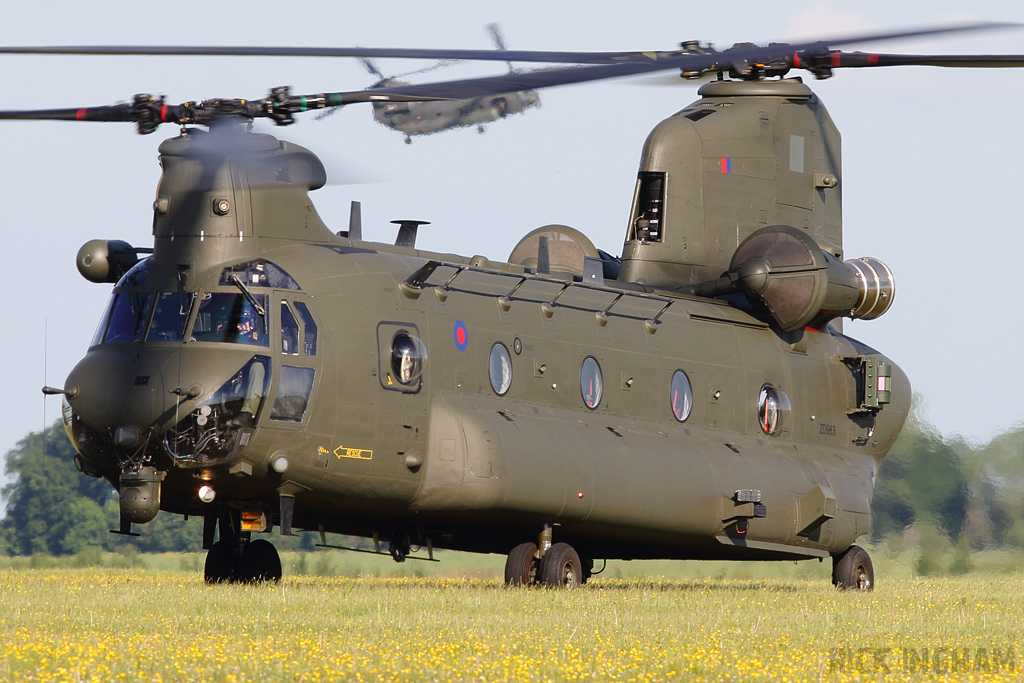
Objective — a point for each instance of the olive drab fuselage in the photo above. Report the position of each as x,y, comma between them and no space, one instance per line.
332,383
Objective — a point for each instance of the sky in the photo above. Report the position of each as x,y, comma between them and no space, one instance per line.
931,177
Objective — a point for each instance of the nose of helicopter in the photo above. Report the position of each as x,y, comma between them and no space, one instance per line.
124,400
121,391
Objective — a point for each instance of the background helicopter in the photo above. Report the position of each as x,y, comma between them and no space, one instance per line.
427,118
688,97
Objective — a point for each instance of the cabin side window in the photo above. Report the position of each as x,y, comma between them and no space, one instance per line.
499,369
681,396
773,409
591,382
649,209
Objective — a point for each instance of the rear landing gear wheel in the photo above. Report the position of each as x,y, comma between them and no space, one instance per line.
260,562
851,569
521,565
220,563
561,567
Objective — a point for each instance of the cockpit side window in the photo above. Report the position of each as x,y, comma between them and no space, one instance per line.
170,315
292,394
231,318
289,332
309,329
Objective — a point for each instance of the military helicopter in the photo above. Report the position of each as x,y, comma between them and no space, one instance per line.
694,398
436,116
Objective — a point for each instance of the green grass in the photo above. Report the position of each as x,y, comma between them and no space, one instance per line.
154,619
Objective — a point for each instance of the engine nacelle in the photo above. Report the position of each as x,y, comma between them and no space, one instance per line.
784,271
105,260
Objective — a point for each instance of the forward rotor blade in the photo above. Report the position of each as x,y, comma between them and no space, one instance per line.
280,105
117,113
368,52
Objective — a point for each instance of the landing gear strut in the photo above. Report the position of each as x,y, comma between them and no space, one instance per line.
556,566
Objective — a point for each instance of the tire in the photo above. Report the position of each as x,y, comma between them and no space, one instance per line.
852,570
521,565
561,568
220,560
260,562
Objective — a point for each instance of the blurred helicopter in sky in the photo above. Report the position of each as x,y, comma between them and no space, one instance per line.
427,118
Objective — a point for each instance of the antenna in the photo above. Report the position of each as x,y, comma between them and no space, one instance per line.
407,232
355,221
46,340
543,256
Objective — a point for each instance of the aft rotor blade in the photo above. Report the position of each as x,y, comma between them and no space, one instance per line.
692,63
551,57
838,60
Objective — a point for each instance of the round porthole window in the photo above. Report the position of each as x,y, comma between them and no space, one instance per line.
408,356
681,396
591,382
499,367
772,410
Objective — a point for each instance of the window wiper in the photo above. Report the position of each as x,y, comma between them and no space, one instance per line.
248,296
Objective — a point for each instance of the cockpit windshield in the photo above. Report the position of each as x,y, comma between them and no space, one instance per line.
229,317
232,318
170,316
127,314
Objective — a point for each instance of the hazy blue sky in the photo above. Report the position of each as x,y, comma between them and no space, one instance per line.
931,178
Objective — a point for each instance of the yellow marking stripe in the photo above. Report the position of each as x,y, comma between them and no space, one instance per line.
358,453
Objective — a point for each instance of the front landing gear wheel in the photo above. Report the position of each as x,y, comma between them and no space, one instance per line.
560,567
220,561
260,562
851,569
521,565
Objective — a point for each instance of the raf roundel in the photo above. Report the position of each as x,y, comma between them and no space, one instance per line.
461,336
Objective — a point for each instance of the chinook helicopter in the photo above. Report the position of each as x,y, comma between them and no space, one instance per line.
437,116
694,398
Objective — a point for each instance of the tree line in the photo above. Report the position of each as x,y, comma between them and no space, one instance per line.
966,495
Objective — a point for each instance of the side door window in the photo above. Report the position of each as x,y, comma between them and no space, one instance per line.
297,332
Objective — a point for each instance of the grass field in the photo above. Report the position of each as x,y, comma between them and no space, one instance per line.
155,620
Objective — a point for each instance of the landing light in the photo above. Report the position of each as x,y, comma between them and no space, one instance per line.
206,493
